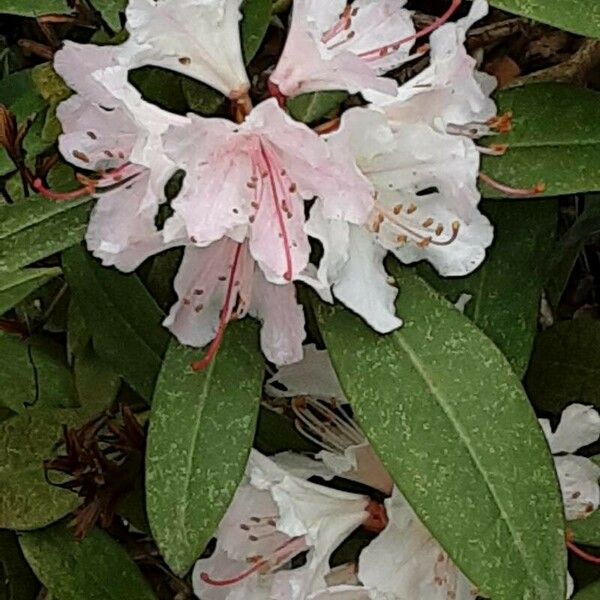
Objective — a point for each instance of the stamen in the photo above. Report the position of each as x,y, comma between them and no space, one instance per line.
278,211
40,188
201,364
290,548
501,123
493,150
344,23
387,49
536,190
595,560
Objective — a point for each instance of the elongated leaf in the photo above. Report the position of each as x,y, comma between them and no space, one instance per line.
590,592
507,289
312,107
18,581
33,375
555,139
16,286
27,500
34,8
565,254
97,568
111,11
37,228
448,417
565,366
586,531
578,16
124,320
255,22
201,431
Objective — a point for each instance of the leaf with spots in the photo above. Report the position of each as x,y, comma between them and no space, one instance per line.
565,365
97,568
27,500
36,228
506,290
255,22
555,139
16,286
33,375
124,320
309,108
577,16
201,430
449,419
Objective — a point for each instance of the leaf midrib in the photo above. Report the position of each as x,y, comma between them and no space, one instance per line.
549,144
399,338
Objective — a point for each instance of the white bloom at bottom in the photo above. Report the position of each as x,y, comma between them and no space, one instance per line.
274,517
405,561
578,476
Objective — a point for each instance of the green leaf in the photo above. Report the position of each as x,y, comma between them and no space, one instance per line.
36,228
449,419
312,107
33,375
34,8
569,247
255,22
577,16
201,98
49,84
111,11
507,288
124,320
565,365
555,139
16,286
17,581
586,531
27,500
201,431
97,568
590,592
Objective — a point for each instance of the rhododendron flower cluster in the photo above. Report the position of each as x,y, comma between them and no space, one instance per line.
398,174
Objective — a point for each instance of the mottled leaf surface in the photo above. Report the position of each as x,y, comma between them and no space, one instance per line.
255,21
555,139
97,568
506,290
124,320
317,105
449,418
34,8
36,228
33,375
17,285
578,16
201,430
565,365
586,531
27,501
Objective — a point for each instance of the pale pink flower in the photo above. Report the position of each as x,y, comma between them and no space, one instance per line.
199,38
250,181
110,131
335,46
578,476
222,282
274,517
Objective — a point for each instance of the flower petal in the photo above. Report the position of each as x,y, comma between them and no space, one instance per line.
579,426
578,477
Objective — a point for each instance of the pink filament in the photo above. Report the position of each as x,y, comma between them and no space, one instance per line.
201,364
40,188
536,190
384,50
284,235
582,554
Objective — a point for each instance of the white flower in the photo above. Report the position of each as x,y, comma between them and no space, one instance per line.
578,476
221,282
275,516
110,130
335,46
405,561
199,38
251,181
